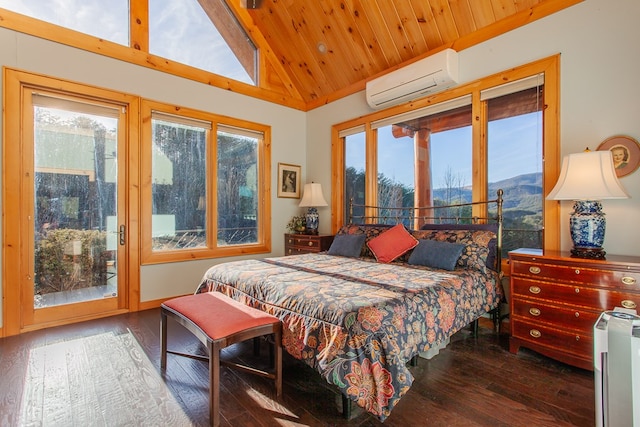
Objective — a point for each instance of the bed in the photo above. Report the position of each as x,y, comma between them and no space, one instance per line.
360,312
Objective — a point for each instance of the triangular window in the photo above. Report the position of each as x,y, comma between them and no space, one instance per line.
198,33
80,15
181,30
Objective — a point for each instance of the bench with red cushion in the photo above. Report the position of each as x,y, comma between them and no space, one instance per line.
218,322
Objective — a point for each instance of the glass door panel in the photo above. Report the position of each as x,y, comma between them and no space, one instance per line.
76,232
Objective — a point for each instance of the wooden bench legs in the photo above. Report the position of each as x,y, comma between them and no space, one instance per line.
218,321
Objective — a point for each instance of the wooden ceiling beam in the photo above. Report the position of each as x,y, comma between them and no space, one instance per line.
230,30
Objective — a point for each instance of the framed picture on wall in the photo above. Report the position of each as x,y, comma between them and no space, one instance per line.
625,152
289,180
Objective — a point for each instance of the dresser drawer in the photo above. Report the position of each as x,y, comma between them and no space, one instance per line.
597,298
295,244
542,335
627,280
575,318
303,242
292,250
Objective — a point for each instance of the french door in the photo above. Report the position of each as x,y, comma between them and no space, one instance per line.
68,209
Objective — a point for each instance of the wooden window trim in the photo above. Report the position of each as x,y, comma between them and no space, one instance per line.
263,244
550,66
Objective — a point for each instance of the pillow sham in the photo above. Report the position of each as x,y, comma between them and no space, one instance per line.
493,227
476,251
392,243
436,254
348,245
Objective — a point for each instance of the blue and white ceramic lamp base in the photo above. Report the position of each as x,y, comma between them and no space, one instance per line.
587,224
312,219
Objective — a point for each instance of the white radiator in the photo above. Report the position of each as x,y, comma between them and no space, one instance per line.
616,358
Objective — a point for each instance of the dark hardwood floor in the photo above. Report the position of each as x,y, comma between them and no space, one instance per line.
106,372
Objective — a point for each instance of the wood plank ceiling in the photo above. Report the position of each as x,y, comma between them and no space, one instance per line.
329,48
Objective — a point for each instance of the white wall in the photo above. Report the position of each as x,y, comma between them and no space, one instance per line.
600,93
288,129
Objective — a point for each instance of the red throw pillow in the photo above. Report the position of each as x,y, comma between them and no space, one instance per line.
392,243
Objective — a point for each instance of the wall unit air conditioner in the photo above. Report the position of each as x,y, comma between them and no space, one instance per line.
424,77
616,359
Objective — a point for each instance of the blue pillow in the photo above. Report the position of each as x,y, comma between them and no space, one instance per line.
436,254
348,245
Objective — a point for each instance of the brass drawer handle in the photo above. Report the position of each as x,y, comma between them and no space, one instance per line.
535,333
628,280
534,311
577,337
534,270
535,289
290,241
289,250
577,271
577,314
627,303
310,243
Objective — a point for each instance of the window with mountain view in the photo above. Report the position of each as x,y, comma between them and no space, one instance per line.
424,159
514,141
449,153
395,179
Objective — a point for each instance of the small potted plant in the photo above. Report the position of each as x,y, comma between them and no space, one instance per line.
297,224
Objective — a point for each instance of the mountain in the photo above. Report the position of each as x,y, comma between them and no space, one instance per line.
522,193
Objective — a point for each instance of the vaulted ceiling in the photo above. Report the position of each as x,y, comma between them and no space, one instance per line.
321,50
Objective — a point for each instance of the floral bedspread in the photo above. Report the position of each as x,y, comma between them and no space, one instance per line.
358,322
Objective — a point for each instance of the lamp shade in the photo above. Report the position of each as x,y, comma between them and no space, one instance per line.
312,196
588,176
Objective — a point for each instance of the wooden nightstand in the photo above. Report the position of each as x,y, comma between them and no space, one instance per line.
556,300
306,243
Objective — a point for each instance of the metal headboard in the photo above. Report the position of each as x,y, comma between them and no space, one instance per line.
414,217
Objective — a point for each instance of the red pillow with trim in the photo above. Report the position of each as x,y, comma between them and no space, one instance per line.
392,243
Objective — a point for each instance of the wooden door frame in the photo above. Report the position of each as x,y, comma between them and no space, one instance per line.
14,274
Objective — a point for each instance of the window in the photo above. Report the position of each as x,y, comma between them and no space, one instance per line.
514,143
238,213
430,149
480,137
206,197
203,35
178,181
80,16
395,178
182,31
354,171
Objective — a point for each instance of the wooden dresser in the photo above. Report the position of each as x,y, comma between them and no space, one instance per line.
556,300
306,243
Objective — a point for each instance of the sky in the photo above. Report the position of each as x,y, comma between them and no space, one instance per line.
515,147
179,29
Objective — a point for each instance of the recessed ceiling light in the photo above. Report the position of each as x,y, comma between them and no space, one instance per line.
322,48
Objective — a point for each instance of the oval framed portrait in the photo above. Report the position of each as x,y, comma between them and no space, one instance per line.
625,152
